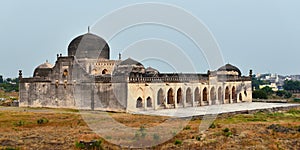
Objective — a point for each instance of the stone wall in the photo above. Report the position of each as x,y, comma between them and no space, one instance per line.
192,94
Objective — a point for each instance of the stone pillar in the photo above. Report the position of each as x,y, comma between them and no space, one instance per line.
155,101
166,96
184,97
144,102
175,98
230,97
201,97
208,96
193,99
92,97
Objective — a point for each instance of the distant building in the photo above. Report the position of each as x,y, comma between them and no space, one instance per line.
88,79
272,85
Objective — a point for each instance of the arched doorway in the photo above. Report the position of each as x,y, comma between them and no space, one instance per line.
170,98
104,71
240,97
189,96
213,95
205,96
197,95
227,95
220,95
139,103
65,73
94,71
179,96
160,97
234,95
149,102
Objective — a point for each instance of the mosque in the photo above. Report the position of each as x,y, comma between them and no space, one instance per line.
88,79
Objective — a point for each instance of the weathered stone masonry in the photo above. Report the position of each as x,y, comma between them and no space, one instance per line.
88,79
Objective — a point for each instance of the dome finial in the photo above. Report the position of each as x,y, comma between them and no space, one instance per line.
88,29
120,56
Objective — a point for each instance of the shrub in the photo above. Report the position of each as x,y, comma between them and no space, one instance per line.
79,145
226,130
198,138
284,93
260,94
212,126
156,137
187,127
20,123
142,128
94,144
178,142
42,121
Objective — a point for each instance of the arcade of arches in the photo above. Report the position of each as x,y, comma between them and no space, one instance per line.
187,97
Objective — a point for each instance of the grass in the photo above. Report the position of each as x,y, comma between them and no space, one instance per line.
43,128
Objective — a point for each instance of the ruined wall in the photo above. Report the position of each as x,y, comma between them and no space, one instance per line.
46,94
99,96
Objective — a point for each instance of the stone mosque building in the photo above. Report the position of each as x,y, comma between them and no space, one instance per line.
88,79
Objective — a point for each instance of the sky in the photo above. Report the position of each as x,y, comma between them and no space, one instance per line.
262,35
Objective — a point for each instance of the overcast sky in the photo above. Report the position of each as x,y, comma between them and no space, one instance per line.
263,35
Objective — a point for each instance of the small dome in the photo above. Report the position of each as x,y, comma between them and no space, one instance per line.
43,70
229,67
151,71
130,62
89,46
129,66
44,66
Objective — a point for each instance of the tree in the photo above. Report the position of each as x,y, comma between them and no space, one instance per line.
267,90
259,94
284,94
1,79
10,84
290,85
257,82
8,80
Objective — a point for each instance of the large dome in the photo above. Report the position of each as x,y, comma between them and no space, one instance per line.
88,46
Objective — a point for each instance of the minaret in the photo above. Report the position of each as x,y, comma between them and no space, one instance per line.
20,75
120,56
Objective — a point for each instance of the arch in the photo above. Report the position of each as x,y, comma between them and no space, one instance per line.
234,95
104,71
160,97
139,103
170,99
213,95
179,96
65,73
95,71
197,95
227,95
149,101
189,96
220,95
240,97
205,95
